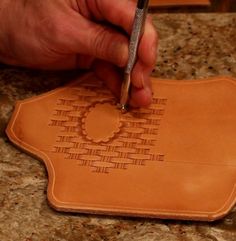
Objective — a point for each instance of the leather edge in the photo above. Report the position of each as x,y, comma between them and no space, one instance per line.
60,206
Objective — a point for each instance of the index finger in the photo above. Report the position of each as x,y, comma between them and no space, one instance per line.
120,13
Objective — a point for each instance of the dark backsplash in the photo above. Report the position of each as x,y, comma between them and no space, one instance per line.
216,6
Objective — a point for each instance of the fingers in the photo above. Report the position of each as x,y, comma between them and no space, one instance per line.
84,61
148,44
110,45
141,92
110,75
113,77
119,13
107,44
89,38
98,40
147,54
140,97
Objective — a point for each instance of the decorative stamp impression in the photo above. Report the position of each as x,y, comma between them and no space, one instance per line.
163,159
107,123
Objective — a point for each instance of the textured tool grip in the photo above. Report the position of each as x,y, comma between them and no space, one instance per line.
134,38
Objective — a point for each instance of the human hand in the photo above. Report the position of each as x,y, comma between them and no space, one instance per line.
65,34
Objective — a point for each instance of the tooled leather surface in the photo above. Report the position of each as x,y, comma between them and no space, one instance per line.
163,160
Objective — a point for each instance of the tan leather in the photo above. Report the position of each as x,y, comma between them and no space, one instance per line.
167,3
176,159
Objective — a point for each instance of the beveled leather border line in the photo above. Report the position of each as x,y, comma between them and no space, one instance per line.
121,211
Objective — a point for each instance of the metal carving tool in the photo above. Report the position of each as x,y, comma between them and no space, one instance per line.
137,31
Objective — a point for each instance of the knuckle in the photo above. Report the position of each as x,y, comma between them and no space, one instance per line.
109,45
51,31
99,42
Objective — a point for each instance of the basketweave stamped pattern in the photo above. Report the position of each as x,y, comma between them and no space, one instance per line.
162,159
128,142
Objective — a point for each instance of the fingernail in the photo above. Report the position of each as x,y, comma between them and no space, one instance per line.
148,93
154,52
122,56
146,82
143,81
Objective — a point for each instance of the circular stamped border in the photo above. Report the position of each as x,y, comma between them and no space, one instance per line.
84,117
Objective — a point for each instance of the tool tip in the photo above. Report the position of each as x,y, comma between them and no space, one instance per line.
122,107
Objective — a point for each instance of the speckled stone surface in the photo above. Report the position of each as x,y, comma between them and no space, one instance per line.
191,46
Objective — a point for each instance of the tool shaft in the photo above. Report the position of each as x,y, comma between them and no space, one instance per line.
134,39
137,31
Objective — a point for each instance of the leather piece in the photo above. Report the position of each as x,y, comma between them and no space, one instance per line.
168,3
176,159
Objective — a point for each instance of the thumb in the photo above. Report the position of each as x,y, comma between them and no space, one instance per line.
106,43
100,41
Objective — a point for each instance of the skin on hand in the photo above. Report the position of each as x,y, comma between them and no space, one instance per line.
66,34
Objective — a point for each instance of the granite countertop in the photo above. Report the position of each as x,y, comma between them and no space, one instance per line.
191,46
